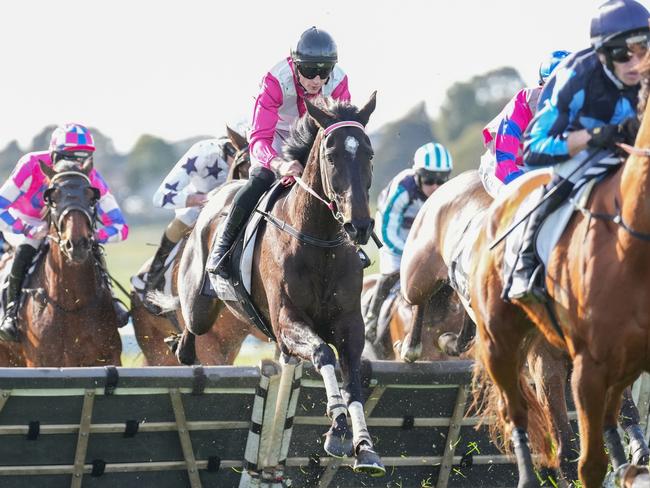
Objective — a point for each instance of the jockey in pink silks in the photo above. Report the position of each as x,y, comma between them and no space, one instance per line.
503,137
309,72
22,209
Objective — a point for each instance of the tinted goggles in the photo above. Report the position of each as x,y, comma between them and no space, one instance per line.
310,71
429,180
632,45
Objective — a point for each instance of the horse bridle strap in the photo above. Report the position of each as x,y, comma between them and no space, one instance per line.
300,236
70,173
344,123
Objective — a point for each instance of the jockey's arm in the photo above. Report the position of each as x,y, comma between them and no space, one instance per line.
173,191
15,186
515,118
577,141
113,227
265,120
397,203
342,91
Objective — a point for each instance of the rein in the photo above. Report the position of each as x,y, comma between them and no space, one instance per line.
330,199
617,218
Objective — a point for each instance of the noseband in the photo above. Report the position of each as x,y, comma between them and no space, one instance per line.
69,202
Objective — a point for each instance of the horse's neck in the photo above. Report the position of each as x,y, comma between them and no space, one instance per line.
70,285
635,184
306,212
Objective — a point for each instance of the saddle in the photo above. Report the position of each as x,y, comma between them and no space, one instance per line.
238,287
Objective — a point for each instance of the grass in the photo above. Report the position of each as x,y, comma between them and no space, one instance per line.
124,259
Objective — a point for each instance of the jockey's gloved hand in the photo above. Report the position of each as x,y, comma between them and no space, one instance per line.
605,137
628,130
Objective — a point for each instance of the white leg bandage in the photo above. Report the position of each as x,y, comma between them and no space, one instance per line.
335,405
359,427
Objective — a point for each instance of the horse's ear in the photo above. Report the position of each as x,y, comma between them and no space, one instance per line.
236,138
368,109
322,118
87,167
47,170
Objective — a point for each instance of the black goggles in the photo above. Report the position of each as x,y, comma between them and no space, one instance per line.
310,71
429,180
622,53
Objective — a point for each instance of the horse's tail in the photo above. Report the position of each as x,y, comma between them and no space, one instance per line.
489,405
166,303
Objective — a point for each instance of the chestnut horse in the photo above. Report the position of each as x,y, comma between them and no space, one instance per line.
67,315
443,223
222,343
599,292
307,283
444,315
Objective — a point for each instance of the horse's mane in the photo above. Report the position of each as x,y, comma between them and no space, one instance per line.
644,69
304,130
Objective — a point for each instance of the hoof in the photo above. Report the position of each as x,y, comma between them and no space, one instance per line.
410,354
338,446
448,343
369,462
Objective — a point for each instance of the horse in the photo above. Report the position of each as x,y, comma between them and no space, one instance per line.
67,315
597,310
307,273
441,228
157,333
444,315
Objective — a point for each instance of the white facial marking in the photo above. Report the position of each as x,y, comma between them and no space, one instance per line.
351,146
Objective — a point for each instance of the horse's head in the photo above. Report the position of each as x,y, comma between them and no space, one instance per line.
345,158
71,202
242,160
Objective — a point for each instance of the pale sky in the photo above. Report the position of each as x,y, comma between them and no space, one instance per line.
177,69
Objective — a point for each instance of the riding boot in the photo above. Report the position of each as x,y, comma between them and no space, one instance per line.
157,267
22,260
524,287
385,283
243,204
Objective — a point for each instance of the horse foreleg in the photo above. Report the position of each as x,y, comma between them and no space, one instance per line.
629,419
589,393
411,349
349,345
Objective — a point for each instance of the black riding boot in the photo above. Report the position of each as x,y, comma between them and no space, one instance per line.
156,269
22,260
243,204
385,283
524,288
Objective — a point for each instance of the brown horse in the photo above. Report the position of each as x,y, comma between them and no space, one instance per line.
446,315
599,293
222,343
68,315
11,353
307,282
444,224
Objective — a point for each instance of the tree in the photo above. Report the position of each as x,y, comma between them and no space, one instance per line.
395,144
477,100
148,163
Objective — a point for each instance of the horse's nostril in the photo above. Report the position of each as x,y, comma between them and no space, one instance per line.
350,229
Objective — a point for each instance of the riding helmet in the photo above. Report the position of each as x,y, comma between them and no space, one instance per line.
616,18
315,46
548,65
433,157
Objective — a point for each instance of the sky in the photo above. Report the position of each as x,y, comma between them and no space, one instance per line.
178,69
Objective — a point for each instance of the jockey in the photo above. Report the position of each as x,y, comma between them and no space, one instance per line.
587,107
397,206
309,72
503,136
22,205
201,169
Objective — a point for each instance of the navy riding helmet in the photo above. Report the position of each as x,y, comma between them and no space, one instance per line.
615,18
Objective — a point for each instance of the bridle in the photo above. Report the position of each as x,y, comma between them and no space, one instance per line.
70,202
331,198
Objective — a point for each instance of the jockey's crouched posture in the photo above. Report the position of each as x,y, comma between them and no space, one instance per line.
503,136
309,72
200,170
397,206
589,102
22,210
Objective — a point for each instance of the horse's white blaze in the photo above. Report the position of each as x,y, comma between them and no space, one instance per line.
351,146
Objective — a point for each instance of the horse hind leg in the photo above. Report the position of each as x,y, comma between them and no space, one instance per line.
411,347
183,347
